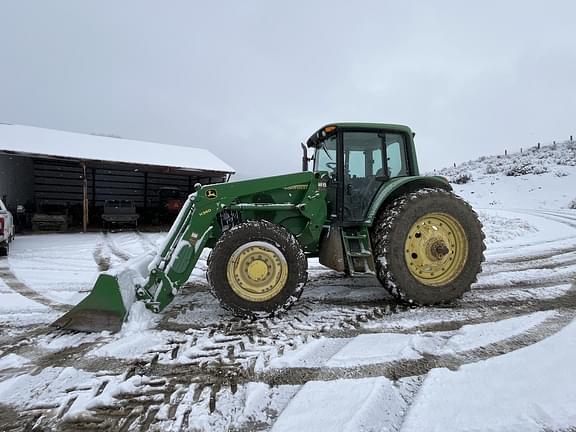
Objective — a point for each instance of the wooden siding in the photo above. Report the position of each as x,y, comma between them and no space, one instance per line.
60,182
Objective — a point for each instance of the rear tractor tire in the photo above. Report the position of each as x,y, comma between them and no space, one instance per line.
256,269
429,247
4,249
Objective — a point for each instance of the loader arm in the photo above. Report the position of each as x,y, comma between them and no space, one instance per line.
197,225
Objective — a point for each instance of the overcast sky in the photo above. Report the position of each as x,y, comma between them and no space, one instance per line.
249,80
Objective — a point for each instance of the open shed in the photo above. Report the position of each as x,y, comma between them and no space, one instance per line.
82,172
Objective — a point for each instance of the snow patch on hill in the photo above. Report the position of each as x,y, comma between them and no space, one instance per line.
535,178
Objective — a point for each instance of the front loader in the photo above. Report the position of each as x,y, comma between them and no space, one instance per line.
364,209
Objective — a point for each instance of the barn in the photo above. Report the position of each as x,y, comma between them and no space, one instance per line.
79,176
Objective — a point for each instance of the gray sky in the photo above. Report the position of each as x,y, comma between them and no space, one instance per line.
250,80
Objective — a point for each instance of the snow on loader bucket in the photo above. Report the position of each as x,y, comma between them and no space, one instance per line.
103,309
107,305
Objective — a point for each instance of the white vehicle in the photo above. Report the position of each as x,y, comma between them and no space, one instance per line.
6,229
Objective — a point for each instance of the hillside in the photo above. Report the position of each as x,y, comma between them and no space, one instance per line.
535,178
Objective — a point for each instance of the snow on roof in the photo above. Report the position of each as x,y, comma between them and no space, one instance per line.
50,142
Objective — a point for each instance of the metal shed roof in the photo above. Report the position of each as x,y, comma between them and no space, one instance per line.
54,143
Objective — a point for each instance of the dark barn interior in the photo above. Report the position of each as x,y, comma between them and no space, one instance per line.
60,184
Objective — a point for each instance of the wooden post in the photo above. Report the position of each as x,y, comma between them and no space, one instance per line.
84,198
145,190
93,188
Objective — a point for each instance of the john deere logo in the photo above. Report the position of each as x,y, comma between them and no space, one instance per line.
211,193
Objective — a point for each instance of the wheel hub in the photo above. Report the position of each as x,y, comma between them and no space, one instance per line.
257,271
436,249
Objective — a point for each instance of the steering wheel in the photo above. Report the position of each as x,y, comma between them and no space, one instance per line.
332,166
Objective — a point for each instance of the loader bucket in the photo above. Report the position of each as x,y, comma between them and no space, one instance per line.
103,309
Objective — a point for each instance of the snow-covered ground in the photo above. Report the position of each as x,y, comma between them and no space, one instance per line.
346,357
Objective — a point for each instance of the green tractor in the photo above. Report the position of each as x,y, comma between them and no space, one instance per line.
363,210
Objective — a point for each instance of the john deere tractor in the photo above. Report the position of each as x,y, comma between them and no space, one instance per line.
363,209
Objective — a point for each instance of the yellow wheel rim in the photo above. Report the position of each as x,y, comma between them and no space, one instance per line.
257,271
436,249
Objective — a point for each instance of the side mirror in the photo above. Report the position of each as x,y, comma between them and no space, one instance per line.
304,157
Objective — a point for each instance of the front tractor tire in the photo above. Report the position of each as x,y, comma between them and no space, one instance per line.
429,247
257,268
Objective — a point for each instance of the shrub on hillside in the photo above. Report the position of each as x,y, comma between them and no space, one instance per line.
539,169
462,179
491,169
525,169
572,205
560,173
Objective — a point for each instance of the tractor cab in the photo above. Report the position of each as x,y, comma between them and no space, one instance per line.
359,159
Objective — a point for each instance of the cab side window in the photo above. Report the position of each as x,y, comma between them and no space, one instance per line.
395,153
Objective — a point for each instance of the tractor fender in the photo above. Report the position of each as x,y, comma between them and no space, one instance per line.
401,186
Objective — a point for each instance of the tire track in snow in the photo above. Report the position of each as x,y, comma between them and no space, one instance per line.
15,284
146,242
523,279
551,260
569,218
414,367
552,216
120,253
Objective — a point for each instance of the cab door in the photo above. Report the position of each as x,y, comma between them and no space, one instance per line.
362,172
369,158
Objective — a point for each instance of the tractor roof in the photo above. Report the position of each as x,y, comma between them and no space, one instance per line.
330,128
